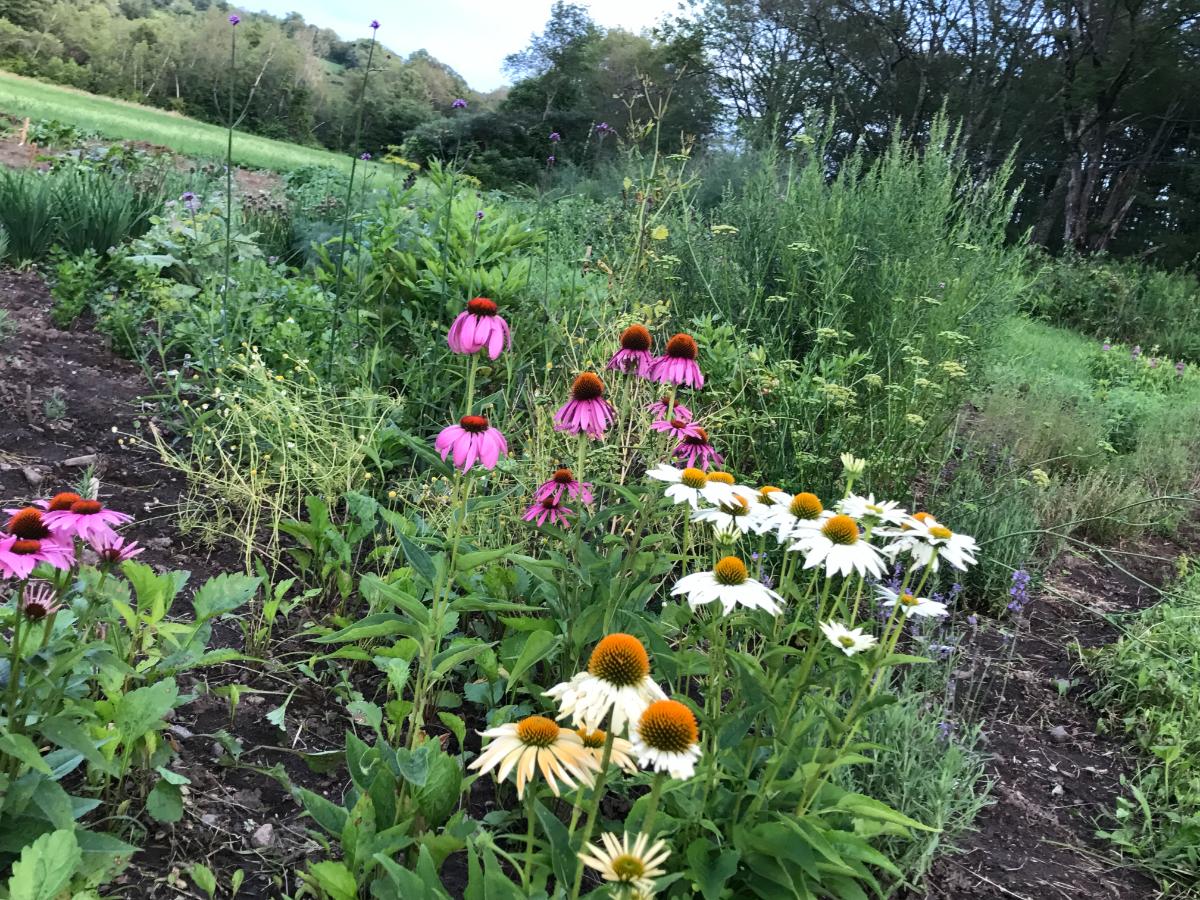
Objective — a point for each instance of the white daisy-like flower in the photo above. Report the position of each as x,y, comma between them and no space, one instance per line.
737,514
537,743
730,582
617,680
690,486
667,739
848,640
910,604
796,515
634,866
618,755
926,540
839,545
771,500
870,511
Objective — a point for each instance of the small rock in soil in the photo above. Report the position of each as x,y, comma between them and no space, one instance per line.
1059,735
264,836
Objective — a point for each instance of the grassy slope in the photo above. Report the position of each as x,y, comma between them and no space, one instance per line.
128,121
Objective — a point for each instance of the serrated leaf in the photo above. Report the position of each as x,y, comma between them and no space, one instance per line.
143,710
223,594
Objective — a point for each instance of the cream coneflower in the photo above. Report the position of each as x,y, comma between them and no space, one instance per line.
537,743
666,739
732,515
634,865
839,545
910,604
618,755
848,640
730,582
617,679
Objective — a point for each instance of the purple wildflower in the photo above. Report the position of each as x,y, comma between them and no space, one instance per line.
1154,362
460,103
604,128
1106,346
1019,591
374,24
555,137
234,19
190,201
1180,367
479,215
365,157
1136,351
550,160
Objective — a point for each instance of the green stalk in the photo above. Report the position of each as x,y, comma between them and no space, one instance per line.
593,809
530,808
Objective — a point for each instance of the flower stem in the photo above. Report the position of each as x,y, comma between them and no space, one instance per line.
531,806
652,809
593,808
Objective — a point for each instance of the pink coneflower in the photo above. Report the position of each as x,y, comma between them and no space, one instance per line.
587,411
477,327
660,408
678,365
20,556
634,353
550,509
697,452
563,484
472,441
113,549
40,601
676,427
86,519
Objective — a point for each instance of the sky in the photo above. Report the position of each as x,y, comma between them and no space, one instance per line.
471,36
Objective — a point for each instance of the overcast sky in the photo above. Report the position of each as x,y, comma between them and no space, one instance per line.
472,36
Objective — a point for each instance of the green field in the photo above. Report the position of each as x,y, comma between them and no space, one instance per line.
129,121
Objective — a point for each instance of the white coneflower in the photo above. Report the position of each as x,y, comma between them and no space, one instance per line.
690,485
848,640
926,540
666,739
839,545
616,680
872,512
796,514
634,865
730,582
537,743
734,515
910,604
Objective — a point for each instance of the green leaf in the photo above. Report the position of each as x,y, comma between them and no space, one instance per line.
330,816
438,797
419,559
334,879
537,647
468,561
165,802
203,878
376,625
143,710
709,869
456,725
865,807
223,594
24,750
414,765
562,858
46,867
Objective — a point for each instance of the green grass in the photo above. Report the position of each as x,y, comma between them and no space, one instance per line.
128,121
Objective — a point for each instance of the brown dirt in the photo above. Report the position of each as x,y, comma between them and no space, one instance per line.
1056,779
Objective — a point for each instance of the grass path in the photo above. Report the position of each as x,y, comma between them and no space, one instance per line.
120,120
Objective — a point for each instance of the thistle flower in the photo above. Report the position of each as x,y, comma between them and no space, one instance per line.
730,583
555,137
537,743
479,326
838,543
660,408
696,451
666,739
562,484
548,509
634,866
617,680
634,353
374,24
460,103
587,412
472,441
86,519
848,640
678,364
234,20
